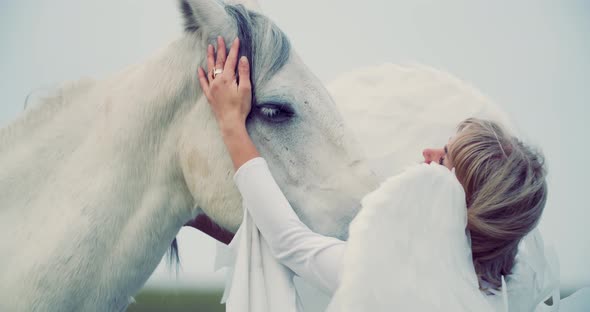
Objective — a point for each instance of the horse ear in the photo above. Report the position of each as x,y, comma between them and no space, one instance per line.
203,14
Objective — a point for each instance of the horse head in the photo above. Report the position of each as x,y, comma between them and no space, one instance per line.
294,123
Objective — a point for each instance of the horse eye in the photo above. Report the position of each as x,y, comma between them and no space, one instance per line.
275,112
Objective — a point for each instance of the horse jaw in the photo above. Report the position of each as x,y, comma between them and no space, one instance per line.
207,168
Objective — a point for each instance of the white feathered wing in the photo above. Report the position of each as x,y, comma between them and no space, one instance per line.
408,250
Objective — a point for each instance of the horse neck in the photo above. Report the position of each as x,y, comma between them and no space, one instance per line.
134,108
98,165
163,79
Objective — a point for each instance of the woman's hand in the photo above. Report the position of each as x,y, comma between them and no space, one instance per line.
230,97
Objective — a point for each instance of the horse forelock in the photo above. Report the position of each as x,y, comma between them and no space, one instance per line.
262,42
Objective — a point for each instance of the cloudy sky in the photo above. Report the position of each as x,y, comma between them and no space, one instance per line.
531,57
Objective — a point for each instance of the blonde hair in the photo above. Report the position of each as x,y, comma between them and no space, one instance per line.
505,189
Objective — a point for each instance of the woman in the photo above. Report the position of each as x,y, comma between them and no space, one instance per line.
503,180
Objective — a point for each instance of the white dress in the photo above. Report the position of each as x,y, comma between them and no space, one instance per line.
407,249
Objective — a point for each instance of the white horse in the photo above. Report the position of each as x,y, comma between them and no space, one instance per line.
96,182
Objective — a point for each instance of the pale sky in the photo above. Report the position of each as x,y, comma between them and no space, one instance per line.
531,57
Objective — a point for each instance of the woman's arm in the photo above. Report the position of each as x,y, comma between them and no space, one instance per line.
314,257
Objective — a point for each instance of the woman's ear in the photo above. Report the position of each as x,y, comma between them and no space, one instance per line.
207,16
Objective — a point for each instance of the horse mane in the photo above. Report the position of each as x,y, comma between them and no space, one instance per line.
268,38
256,32
46,108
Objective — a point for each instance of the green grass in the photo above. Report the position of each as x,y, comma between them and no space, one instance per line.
154,300
174,300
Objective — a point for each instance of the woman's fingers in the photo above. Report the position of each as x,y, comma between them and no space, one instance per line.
228,63
210,60
244,84
221,53
232,58
204,82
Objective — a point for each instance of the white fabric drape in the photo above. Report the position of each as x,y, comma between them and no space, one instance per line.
256,280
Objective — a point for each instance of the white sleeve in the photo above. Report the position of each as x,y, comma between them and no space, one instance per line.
314,257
